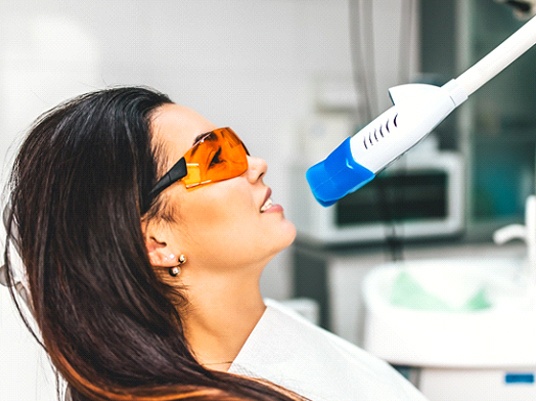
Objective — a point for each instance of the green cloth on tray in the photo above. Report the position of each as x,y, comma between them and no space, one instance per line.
407,292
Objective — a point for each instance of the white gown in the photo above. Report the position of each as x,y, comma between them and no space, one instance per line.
288,350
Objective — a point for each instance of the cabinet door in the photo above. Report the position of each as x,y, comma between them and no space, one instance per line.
503,133
496,128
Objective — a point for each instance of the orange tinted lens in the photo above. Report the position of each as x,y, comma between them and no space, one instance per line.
220,155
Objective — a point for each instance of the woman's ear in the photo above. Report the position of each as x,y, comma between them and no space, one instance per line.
160,252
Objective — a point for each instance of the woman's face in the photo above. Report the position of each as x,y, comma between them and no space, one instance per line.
223,225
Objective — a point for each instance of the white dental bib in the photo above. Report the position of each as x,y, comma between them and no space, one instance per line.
288,350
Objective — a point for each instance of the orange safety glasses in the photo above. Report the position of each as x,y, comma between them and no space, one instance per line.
217,156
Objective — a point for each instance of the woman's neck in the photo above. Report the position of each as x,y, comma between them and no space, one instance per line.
220,317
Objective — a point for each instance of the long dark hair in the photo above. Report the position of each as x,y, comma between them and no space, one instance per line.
77,194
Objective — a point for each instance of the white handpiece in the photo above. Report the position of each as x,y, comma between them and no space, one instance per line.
418,108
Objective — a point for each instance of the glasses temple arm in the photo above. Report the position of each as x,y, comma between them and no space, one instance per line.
177,172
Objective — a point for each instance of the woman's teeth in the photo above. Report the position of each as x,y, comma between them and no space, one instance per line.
267,205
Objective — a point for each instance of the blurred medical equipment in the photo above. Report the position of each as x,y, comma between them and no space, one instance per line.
417,110
421,195
462,327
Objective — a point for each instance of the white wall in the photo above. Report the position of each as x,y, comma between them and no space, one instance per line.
244,63
250,64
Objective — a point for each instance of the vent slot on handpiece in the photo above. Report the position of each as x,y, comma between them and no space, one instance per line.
373,135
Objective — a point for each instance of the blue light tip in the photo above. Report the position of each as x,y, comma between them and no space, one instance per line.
337,175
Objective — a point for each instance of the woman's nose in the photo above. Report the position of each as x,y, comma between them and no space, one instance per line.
257,167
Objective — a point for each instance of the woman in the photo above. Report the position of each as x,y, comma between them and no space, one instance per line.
144,229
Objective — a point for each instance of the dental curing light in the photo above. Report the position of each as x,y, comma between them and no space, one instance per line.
417,110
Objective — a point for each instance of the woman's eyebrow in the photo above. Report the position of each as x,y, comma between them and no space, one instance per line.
200,137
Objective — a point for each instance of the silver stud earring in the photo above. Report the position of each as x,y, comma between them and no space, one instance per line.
176,270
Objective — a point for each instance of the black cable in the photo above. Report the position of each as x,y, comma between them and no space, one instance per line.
361,72
370,59
404,42
404,62
361,15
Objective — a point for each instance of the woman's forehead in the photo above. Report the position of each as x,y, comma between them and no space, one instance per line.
176,128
